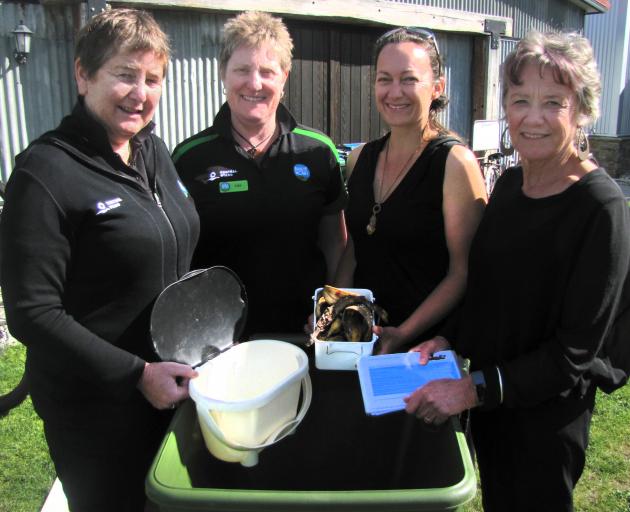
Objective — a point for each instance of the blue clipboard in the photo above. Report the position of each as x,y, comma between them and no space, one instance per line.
386,379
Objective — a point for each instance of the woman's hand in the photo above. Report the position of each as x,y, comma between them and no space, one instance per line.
429,347
389,339
164,385
439,399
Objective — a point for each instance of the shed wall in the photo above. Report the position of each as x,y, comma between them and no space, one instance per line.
330,87
35,96
192,93
610,36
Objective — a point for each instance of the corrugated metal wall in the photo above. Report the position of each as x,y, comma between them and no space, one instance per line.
457,50
34,96
507,45
610,36
526,14
192,93
624,125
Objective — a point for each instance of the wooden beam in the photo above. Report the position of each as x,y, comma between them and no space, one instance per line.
364,12
479,78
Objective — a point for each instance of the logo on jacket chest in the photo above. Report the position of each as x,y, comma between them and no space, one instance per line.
301,172
107,205
216,172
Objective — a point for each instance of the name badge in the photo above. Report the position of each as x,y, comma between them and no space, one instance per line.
233,186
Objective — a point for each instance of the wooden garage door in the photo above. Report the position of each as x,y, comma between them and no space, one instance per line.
331,84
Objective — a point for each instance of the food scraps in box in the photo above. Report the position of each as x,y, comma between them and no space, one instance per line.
343,315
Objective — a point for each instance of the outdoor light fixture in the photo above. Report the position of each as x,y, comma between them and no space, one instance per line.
22,42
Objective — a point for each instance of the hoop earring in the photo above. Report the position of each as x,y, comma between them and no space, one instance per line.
582,145
505,144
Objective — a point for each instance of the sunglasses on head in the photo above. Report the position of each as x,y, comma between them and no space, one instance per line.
421,33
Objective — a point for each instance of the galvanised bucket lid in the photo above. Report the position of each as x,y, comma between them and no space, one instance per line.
199,316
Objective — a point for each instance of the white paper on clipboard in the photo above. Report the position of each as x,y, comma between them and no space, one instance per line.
386,379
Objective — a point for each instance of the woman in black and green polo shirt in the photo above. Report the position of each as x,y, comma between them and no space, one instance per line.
268,191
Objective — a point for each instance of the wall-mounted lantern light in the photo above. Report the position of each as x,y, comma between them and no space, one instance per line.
22,42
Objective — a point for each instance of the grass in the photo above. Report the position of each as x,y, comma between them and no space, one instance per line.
605,483
26,472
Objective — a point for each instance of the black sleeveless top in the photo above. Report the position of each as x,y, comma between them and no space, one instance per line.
406,257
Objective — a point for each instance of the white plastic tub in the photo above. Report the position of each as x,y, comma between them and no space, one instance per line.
342,355
247,398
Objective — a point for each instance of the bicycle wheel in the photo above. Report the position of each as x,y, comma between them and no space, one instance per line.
489,177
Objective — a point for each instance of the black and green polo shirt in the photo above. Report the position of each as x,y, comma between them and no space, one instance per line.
261,218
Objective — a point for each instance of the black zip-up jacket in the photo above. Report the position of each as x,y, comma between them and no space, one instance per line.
88,244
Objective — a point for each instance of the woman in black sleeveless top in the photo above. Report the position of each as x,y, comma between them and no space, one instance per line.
415,196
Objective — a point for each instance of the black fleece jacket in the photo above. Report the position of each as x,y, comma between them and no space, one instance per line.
88,244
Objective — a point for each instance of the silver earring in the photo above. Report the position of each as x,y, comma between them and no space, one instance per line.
506,143
582,145
224,91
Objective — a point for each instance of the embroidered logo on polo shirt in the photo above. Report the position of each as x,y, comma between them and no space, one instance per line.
301,172
216,172
233,186
105,206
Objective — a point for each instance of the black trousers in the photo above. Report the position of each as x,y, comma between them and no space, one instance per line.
102,465
531,459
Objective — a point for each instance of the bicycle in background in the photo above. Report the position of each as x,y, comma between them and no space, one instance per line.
492,167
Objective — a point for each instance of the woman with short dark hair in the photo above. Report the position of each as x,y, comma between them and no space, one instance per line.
95,225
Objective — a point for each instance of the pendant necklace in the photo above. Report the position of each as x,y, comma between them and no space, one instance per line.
378,203
130,157
254,147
